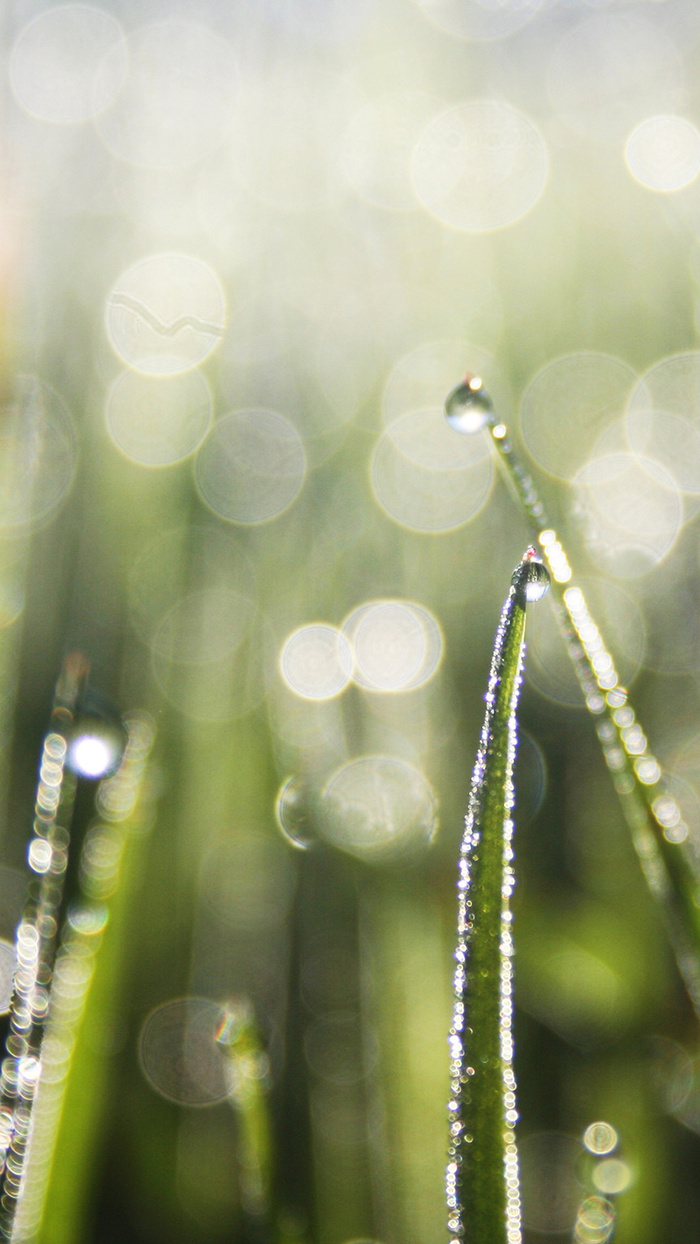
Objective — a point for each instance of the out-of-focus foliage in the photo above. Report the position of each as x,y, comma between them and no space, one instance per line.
245,251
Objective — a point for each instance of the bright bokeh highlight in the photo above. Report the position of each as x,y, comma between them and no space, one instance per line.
68,63
480,166
663,153
251,467
38,455
158,421
316,662
166,314
581,393
630,511
600,1138
293,812
549,666
179,1054
378,807
425,483
396,644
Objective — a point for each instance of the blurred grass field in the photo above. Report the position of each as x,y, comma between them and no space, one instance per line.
245,253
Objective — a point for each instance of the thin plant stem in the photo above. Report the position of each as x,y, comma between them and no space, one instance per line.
652,813
73,1086
248,1084
35,942
483,1197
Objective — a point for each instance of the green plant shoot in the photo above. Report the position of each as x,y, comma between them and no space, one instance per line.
659,832
483,1196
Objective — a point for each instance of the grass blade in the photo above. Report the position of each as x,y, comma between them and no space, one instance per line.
74,1087
652,813
482,1174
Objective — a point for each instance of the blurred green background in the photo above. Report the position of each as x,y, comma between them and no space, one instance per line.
246,250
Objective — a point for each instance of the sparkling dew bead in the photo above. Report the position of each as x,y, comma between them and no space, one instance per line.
532,577
538,581
468,407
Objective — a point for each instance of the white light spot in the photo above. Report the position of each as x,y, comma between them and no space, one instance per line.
612,1176
377,807
630,510
179,1053
251,467
663,153
90,756
40,855
480,166
663,421
600,1138
316,662
397,645
166,314
585,391
422,481
68,64
595,1222
157,421
293,812
38,454
8,962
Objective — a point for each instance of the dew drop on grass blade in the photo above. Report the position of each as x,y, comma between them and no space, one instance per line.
483,1198
648,804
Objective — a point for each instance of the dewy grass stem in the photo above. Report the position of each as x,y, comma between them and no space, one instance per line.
483,1197
73,1088
652,812
35,941
71,747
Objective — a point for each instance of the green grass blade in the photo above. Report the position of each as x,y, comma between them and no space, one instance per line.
652,813
248,1079
74,1087
482,1174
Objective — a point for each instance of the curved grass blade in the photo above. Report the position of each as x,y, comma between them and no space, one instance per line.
652,813
482,1174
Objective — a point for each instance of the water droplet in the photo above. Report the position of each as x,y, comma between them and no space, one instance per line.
468,406
96,739
294,813
531,577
